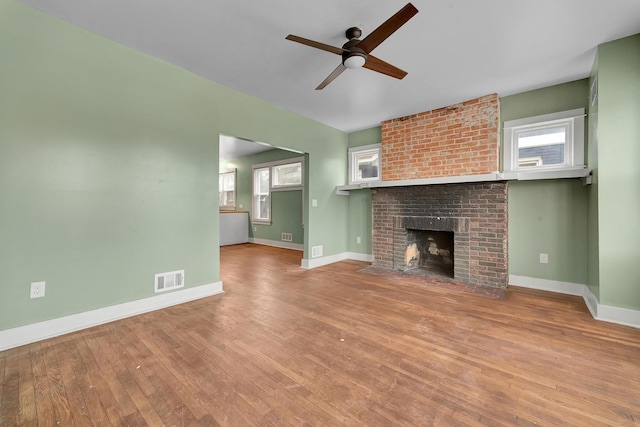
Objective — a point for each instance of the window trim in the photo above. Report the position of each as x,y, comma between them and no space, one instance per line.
572,120
235,189
353,170
272,188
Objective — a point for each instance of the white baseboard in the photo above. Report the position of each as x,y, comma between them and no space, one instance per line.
357,256
21,335
605,313
326,260
567,288
277,244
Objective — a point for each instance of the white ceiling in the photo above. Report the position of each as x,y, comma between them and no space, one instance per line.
231,147
453,50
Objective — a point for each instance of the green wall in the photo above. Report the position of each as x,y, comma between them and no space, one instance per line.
286,206
360,212
547,216
365,137
109,168
593,255
618,146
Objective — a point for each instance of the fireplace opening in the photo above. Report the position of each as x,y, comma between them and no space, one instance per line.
430,252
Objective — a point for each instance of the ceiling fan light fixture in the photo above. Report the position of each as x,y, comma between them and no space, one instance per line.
354,61
356,53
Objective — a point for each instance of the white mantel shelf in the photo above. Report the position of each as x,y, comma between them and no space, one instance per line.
495,176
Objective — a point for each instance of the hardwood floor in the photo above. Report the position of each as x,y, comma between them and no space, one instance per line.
332,347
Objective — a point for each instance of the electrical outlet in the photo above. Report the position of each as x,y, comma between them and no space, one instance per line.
358,239
37,290
241,206
544,258
255,228
314,203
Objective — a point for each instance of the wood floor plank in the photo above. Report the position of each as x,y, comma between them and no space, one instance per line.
10,398
41,382
3,363
100,401
333,346
128,375
57,390
28,413
72,372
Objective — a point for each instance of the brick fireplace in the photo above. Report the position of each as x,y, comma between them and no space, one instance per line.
457,228
475,213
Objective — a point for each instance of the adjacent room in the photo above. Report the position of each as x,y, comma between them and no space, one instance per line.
335,214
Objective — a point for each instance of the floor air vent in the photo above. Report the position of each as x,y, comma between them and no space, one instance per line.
167,281
316,251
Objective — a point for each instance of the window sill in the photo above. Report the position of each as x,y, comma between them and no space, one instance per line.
528,175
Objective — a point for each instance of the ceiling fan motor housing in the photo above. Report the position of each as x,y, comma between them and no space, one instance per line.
352,50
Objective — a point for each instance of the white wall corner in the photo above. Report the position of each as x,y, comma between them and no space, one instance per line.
619,315
27,334
591,301
605,313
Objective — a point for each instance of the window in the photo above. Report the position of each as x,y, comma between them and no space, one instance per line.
275,176
261,193
551,141
227,190
364,163
286,175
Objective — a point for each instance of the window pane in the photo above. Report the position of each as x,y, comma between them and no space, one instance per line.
289,174
261,194
228,182
541,147
367,164
227,190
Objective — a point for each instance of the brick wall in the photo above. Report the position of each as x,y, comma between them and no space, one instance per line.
476,213
461,139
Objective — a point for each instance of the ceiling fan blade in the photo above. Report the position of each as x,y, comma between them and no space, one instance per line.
376,64
387,28
317,45
335,73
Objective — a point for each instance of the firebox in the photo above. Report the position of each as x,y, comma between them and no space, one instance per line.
430,251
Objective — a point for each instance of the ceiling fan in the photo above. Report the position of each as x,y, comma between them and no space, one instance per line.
357,53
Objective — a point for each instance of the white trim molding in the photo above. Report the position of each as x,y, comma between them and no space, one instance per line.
27,334
326,260
357,256
566,288
605,313
277,243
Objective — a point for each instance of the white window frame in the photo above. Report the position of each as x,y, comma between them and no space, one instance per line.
274,188
274,165
254,196
354,153
571,120
235,189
